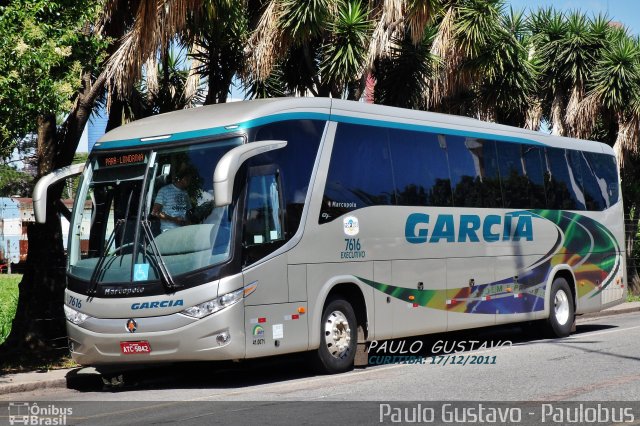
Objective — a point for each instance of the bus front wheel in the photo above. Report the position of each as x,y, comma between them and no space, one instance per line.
338,337
561,311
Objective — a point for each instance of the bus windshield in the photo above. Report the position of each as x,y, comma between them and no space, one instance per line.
152,215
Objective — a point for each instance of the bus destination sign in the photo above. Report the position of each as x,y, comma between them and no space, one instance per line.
122,159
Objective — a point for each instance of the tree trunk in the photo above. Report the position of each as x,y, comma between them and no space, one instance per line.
557,114
115,114
38,328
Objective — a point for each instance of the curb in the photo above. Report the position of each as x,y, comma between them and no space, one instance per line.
32,386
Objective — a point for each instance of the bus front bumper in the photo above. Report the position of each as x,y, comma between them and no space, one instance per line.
219,336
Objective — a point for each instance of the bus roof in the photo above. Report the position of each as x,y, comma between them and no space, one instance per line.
212,120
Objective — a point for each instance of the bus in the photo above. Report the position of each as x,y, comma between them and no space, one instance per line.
316,224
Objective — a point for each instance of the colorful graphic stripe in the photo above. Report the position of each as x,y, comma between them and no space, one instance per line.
589,249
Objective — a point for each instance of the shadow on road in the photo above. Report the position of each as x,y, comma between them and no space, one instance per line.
227,374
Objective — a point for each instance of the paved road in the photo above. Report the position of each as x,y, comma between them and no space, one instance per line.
599,362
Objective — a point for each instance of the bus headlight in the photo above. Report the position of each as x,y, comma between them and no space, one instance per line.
74,316
212,306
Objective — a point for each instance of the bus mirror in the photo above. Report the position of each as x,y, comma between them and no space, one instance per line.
40,191
225,172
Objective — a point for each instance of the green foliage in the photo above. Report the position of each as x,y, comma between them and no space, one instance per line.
172,76
403,77
221,34
508,76
617,75
548,28
348,43
14,182
477,24
305,19
45,44
8,302
273,86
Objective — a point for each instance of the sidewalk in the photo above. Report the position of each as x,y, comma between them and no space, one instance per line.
623,308
77,377
34,380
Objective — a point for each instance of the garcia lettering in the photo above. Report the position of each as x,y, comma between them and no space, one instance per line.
468,228
157,304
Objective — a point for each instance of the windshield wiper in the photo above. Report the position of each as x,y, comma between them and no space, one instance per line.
93,281
157,258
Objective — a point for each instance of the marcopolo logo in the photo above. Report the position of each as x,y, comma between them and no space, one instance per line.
24,413
468,228
157,304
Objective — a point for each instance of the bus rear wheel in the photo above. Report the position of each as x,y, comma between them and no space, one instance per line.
338,337
561,311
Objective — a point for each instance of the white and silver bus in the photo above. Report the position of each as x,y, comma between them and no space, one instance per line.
314,223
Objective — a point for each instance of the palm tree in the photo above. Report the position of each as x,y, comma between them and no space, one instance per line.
149,29
216,38
506,77
566,47
549,28
402,77
317,47
485,68
614,93
325,47
585,44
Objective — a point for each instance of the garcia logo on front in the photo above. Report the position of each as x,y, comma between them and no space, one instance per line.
24,413
157,304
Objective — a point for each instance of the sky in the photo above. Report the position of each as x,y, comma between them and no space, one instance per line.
626,12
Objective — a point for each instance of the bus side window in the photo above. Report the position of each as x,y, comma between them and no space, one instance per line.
605,170
595,193
420,170
360,174
521,175
473,166
563,191
264,213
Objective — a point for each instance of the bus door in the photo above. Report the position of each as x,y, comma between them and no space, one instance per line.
272,325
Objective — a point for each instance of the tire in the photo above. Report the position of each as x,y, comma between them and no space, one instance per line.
338,337
561,311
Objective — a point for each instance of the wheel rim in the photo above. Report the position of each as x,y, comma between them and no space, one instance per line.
561,303
337,332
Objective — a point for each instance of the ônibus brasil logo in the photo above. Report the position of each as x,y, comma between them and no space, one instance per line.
25,413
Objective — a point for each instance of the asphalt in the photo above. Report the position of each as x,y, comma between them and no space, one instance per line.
75,378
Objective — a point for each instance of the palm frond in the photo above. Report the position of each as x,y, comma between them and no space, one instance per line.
306,19
419,14
444,48
585,115
345,54
192,86
151,76
266,43
155,23
403,77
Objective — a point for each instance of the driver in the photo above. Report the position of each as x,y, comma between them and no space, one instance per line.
172,202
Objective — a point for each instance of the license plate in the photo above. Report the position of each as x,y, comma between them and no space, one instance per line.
141,347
